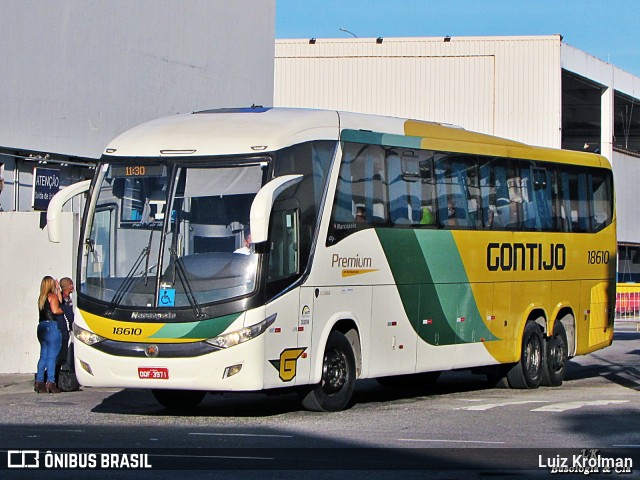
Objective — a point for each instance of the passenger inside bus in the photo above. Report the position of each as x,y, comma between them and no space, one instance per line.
452,219
427,217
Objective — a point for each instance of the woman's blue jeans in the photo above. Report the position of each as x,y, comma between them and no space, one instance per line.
50,340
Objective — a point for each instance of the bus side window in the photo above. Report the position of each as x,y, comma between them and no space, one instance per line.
602,205
542,198
360,198
443,190
574,200
472,191
516,199
458,191
378,209
405,169
428,194
488,195
398,197
342,208
529,216
584,194
373,192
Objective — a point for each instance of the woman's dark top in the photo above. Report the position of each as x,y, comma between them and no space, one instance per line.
46,314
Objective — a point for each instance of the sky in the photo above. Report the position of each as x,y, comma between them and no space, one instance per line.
606,29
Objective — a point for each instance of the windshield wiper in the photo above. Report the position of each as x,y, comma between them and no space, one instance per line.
148,255
182,275
130,278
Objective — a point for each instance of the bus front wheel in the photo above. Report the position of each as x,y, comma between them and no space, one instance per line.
179,399
527,373
334,391
556,356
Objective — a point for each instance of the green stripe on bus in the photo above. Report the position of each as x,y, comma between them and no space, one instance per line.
374,138
197,330
433,286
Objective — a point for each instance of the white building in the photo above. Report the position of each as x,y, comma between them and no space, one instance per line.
75,74
534,89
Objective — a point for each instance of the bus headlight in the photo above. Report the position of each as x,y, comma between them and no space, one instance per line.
85,336
240,336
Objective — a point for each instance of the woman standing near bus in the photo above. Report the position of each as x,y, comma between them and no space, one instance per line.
49,335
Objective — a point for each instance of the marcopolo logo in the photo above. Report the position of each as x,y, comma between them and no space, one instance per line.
153,316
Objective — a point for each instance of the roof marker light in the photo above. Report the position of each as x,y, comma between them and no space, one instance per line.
177,152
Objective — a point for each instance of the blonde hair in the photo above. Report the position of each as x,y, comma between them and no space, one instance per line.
47,285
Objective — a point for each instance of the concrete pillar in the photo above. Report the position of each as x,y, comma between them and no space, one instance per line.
606,123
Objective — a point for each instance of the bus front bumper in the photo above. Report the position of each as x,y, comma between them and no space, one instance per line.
238,368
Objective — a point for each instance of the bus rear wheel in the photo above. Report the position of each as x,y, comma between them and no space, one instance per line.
334,391
179,399
527,373
556,356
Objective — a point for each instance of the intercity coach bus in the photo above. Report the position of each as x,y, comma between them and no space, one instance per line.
260,248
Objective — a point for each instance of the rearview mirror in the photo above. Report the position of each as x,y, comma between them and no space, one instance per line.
263,203
55,207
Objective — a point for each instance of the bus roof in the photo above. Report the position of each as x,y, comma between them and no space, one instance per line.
252,130
225,132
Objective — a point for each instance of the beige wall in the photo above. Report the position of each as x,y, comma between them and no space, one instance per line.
504,86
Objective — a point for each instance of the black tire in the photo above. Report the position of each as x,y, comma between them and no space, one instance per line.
556,356
334,391
527,373
179,399
414,381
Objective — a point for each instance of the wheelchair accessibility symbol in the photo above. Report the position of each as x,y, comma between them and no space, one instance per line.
167,297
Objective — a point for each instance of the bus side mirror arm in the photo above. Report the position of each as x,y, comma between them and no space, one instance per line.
263,203
55,207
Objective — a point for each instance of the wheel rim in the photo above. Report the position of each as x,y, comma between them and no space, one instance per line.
557,354
533,357
334,371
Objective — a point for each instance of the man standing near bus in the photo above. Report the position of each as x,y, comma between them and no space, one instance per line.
65,322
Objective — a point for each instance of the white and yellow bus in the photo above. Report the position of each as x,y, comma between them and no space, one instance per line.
260,248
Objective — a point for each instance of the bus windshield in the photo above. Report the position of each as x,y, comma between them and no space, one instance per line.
170,234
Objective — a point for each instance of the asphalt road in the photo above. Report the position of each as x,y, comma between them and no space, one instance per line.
459,427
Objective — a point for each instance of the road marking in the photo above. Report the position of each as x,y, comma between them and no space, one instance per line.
561,407
239,435
446,441
489,406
